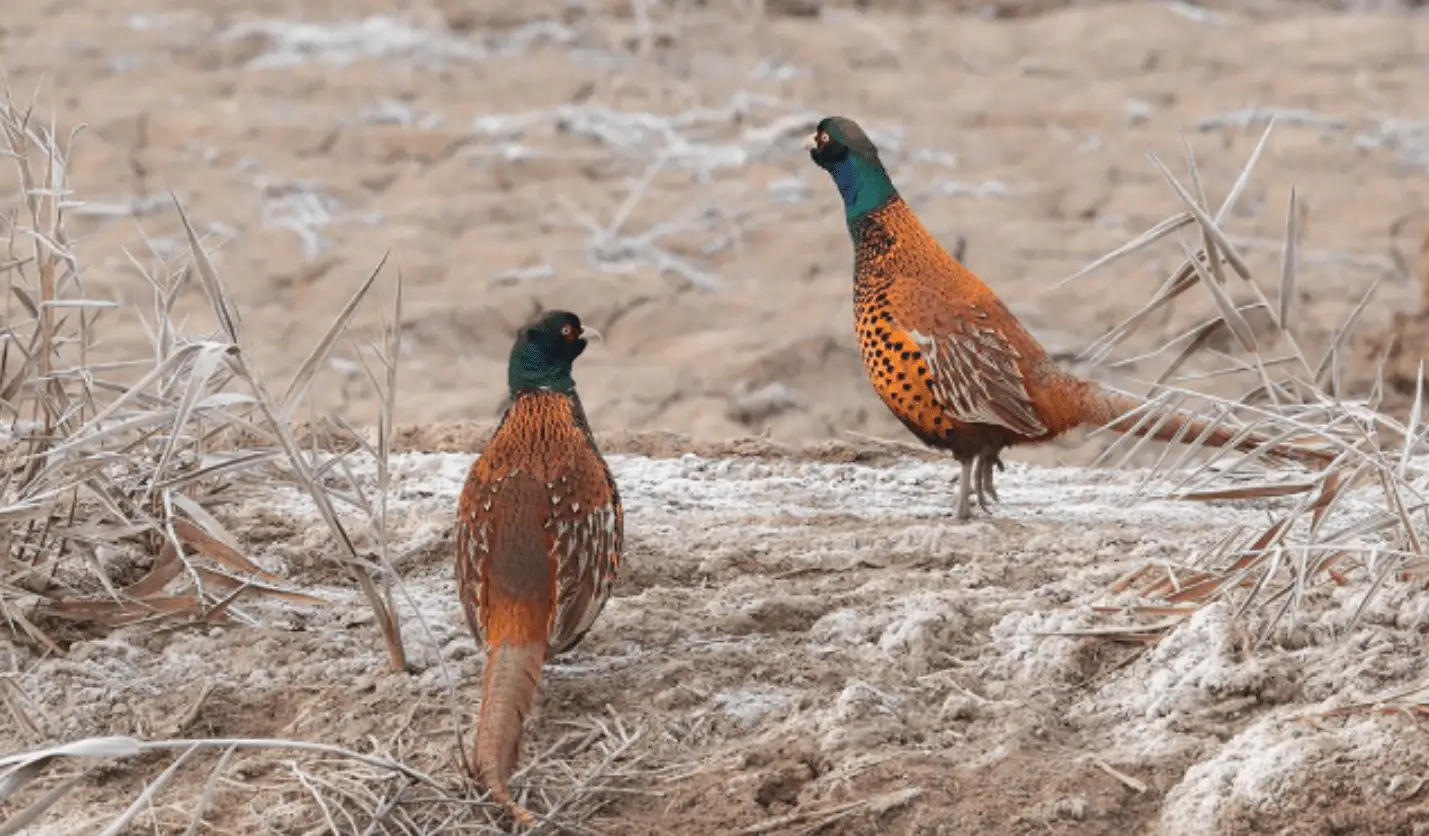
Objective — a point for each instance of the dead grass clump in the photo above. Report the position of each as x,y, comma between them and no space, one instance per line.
103,482
1359,519
98,476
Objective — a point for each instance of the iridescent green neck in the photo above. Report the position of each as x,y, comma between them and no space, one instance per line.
864,186
531,369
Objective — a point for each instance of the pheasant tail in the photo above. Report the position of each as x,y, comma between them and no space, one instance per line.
508,690
1100,407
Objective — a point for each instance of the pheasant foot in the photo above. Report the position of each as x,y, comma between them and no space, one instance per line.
522,816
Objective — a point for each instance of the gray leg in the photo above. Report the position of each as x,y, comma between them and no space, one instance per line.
965,486
980,465
985,484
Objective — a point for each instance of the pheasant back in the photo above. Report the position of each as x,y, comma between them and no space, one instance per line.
540,527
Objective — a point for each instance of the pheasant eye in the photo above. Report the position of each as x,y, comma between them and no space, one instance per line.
823,138
566,331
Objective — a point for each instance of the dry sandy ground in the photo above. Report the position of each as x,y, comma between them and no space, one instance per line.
801,641
494,149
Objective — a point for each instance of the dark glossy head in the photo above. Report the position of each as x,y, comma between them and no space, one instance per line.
840,147
545,349
835,138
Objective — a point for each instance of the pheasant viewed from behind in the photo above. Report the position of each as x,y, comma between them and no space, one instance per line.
538,539
945,354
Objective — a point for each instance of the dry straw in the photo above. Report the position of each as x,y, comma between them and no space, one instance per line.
90,465
1324,531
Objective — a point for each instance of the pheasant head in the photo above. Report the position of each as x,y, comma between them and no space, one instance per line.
840,147
544,351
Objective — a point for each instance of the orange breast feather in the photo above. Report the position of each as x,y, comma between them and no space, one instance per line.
940,348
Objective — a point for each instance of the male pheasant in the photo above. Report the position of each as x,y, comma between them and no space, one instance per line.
946,355
538,539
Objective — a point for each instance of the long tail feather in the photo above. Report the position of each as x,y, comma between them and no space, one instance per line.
508,690
1100,407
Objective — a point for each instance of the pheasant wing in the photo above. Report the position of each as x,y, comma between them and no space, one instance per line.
542,519
474,533
975,372
587,526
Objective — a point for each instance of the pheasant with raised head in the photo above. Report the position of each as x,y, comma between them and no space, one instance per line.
538,539
946,355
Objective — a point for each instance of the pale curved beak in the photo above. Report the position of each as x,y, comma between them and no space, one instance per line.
811,142
588,332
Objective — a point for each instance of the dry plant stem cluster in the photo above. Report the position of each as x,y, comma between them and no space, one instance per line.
93,467
1289,398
